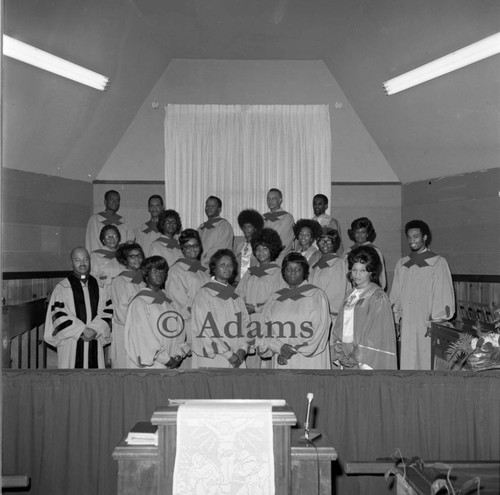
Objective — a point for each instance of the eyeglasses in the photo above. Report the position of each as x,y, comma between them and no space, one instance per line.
326,240
135,256
191,246
110,236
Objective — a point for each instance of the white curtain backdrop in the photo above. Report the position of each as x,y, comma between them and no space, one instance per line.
239,152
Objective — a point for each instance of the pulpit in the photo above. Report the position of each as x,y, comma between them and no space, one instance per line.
283,419
148,469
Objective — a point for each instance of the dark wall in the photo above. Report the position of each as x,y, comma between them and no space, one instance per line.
463,212
44,217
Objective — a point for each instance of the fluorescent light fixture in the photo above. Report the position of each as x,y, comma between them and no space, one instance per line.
33,56
473,53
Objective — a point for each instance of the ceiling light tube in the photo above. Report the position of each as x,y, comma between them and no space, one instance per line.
473,53
29,54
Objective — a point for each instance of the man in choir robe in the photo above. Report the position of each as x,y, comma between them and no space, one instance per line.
279,220
78,317
148,232
216,233
107,217
320,205
422,292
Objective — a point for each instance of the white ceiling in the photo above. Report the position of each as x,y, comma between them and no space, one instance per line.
445,127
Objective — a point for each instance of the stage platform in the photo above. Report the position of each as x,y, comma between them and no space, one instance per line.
60,427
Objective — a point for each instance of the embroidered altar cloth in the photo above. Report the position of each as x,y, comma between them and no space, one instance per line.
224,447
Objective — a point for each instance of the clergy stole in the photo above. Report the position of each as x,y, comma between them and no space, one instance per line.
81,314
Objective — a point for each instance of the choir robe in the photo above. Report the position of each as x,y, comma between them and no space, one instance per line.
256,287
65,323
312,255
238,252
166,247
146,234
98,221
306,308
184,280
104,267
330,274
215,233
123,289
382,275
422,292
219,326
282,222
374,335
152,335
328,221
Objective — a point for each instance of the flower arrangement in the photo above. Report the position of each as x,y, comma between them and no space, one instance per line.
476,353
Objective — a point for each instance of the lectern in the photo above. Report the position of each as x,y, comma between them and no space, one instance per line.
148,469
283,419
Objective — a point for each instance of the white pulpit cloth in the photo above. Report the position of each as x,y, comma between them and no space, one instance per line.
224,448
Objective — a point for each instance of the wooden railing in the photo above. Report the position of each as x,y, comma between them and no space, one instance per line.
481,291
22,335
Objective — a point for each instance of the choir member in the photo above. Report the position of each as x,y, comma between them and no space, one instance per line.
320,205
363,233
422,292
279,220
216,233
103,263
251,223
107,217
79,317
186,277
297,321
306,233
167,245
219,318
330,272
260,282
148,232
154,327
364,336
123,289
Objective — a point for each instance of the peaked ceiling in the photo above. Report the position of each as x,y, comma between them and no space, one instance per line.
444,127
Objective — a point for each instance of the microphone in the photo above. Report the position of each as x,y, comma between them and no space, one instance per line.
309,435
310,398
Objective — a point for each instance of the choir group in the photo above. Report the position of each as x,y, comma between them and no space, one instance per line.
289,296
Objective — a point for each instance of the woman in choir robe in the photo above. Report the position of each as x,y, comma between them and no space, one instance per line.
363,233
186,277
104,266
364,336
330,272
169,224
219,318
260,282
123,289
306,232
251,223
154,327
296,321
